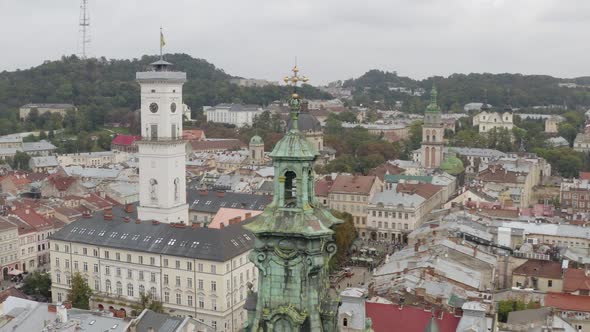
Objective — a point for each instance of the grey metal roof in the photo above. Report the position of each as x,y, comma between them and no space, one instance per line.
42,145
159,322
306,123
199,243
44,105
212,201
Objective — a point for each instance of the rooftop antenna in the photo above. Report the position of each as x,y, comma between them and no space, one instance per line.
84,29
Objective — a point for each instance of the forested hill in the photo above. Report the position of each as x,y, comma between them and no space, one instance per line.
522,91
104,90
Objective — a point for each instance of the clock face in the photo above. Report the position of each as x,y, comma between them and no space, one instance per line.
153,107
173,107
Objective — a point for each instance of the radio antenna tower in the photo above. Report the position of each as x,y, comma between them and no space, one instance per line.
84,29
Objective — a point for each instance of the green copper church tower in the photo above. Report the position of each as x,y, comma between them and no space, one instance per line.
294,243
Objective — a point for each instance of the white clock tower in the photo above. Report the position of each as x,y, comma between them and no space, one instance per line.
162,154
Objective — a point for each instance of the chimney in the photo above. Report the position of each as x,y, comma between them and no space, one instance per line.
221,225
128,208
126,219
155,222
196,225
108,214
248,215
220,193
203,192
51,308
138,221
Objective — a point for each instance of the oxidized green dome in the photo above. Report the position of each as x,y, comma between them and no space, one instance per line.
433,106
294,146
256,140
452,165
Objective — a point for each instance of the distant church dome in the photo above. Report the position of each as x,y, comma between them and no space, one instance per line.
452,165
256,140
306,123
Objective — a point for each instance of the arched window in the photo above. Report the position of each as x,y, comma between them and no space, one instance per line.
176,189
153,291
290,189
129,289
433,157
108,286
119,288
154,190
427,157
345,322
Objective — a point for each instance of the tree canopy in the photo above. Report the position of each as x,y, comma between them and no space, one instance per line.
80,293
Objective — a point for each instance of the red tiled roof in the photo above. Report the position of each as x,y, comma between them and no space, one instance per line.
34,177
193,134
353,184
386,168
12,292
426,190
61,183
497,173
390,318
568,302
322,187
31,217
584,175
125,139
98,201
538,268
575,279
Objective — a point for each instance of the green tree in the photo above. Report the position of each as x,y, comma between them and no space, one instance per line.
21,161
344,236
80,293
147,301
38,283
567,131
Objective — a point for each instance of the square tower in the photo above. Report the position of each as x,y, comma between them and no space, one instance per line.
162,153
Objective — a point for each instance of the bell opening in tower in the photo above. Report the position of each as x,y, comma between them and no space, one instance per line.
290,189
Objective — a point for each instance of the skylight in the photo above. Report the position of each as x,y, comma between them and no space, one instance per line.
101,233
158,240
135,237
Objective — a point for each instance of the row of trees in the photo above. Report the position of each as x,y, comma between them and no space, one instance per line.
456,90
106,91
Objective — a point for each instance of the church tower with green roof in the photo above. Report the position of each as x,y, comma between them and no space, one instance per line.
432,134
294,243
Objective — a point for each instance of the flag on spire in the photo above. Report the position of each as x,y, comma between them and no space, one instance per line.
162,42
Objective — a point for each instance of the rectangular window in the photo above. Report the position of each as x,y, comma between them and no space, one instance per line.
189,283
178,265
67,263
213,286
106,254
549,283
129,274
118,272
200,267
189,300
140,259
153,277
201,303
152,261
129,258
213,269
95,268
165,263
177,281
167,297
118,256
200,284
178,300
165,279
107,270
85,266
84,251
189,266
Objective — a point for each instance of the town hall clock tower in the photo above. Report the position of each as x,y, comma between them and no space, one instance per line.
162,154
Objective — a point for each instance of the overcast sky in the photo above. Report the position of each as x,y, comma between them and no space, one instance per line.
332,39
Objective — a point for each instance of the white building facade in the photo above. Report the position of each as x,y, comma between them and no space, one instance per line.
234,114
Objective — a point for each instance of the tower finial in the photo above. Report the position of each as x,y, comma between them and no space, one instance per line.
433,93
295,100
